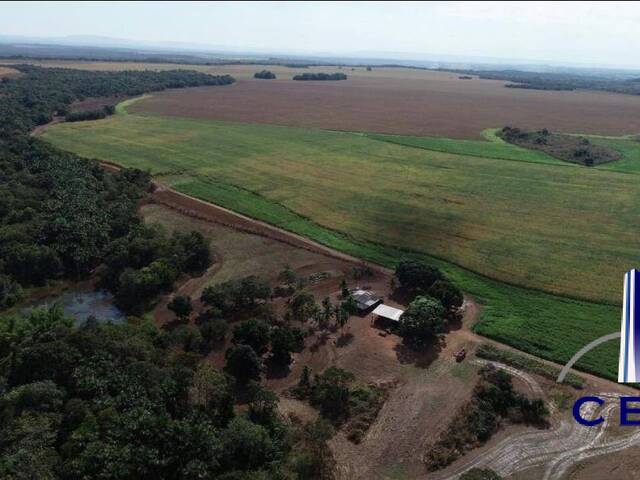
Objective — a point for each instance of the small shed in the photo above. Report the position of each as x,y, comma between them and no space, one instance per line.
387,313
365,300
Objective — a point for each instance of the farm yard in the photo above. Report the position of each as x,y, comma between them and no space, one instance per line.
432,198
422,389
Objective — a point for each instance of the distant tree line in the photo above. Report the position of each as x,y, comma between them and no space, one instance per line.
321,76
265,74
40,93
561,81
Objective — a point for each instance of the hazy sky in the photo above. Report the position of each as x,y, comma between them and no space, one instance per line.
598,33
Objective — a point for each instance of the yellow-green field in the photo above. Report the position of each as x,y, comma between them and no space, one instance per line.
513,215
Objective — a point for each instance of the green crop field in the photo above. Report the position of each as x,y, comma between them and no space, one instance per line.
479,210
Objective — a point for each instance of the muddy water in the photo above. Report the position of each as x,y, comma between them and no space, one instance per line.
81,305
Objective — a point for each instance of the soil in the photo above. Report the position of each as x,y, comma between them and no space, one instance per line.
423,103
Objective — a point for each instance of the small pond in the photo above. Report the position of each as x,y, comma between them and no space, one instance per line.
82,305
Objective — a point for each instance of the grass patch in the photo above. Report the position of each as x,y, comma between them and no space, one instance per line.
475,148
489,352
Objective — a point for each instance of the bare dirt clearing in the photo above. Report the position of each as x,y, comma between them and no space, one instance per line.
437,103
9,72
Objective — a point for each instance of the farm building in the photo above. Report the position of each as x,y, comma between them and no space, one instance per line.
365,300
387,313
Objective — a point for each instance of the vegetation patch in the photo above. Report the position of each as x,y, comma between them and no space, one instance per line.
494,402
83,115
264,75
341,400
570,148
320,76
523,362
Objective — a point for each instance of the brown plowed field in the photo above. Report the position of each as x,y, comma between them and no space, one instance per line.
422,103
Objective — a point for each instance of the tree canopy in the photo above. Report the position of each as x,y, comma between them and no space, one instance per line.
422,321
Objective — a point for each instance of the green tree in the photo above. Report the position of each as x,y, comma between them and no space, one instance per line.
263,408
32,264
342,316
213,331
181,306
325,314
254,333
447,293
344,289
284,341
212,392
416,277
331,393
243,363
10,292
302,306
193,251
422,321
246,446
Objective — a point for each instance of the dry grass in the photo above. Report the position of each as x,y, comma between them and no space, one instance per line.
242,253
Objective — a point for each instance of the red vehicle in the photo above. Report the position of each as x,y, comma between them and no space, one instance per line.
460,355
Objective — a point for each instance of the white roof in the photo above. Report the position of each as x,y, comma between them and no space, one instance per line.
388,312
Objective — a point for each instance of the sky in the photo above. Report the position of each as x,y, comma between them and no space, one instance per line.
587,33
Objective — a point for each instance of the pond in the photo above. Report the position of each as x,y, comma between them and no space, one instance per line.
82,304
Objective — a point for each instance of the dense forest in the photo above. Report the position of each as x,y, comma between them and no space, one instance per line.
320,76
126,402
40,93
59,214
131,400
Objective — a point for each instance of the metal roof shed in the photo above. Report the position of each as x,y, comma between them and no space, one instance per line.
388,313
365,300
